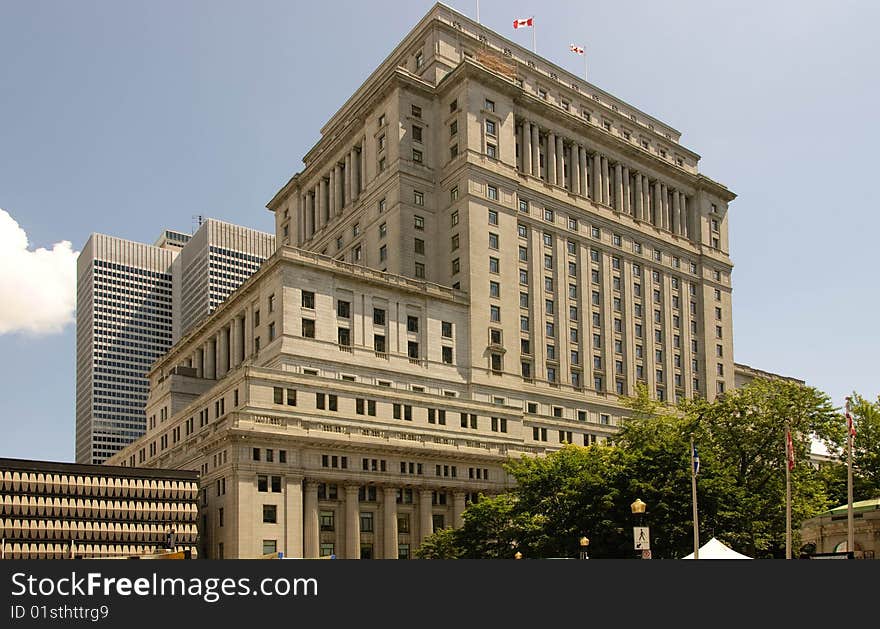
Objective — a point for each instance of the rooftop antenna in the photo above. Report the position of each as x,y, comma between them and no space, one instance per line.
197,220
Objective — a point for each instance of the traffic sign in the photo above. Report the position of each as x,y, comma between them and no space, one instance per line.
646,554
641,538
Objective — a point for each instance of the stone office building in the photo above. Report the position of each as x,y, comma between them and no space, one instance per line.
479,256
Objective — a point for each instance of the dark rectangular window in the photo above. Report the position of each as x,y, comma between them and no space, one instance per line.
270,514
308,328
308,299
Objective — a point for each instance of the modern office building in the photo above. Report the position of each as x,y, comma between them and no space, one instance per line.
215,262
129,311
123,324
52,510
481,253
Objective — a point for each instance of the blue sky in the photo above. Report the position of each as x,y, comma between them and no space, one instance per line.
127,117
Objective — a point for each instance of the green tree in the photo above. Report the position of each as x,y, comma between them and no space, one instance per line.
744,433
866,454
579,491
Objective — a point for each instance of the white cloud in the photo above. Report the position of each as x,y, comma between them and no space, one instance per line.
37,288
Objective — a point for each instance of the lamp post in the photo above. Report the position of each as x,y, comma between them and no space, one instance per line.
584,542
518,555
641,534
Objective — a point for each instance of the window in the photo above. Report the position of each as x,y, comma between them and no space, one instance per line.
381,137
494,313
490,127
308,299
416,133
524,323
493,241
270,514
270,546
548,215
308,328
490,105
616,240
416,111
447,355
523,277
492,151
493,217
366,522
494,265
524,208
492,193
453,128
343,336
417,156
412,323
419,199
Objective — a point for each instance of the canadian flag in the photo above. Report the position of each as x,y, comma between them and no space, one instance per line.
576,49
529,21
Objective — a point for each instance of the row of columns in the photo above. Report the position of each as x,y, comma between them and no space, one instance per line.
595,176
352,509
335,190
224,350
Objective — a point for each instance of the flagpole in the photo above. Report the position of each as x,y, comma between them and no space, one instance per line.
694,496
850,530
478,11
789,466
585,63
534,37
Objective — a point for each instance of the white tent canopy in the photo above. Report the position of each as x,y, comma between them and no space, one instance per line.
713,549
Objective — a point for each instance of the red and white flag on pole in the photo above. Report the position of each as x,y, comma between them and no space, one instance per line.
575,48
850,425
529,21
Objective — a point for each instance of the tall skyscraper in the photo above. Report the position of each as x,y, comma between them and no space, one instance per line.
123,324
480,255
215,262
129,311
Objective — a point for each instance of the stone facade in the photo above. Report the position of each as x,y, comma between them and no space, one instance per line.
480,255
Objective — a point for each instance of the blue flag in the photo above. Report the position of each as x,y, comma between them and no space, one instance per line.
696,462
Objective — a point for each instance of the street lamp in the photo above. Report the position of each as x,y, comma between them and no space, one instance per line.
518,555
584,542
641,535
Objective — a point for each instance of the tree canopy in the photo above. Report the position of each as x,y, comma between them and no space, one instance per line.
587,491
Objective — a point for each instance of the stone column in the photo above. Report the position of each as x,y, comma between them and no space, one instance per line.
618,187
550,158
597,178
355,174
457,509
389,524
331,195
426,513
293,520
639,209
199,362
683,226
210,352
337,170
606,183
676,212
234,334
627,205
322,204
301,222
310,521
352,523
536,145
658,206
347,195
560,162
664,206
222,353
646,191
576,171
526,149
585,189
